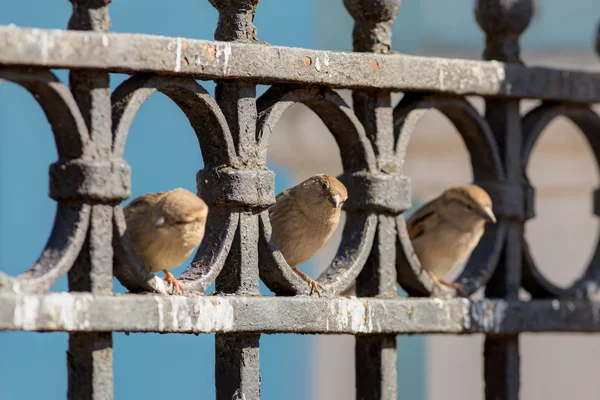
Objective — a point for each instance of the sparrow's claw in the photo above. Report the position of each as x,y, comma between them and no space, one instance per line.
316,286
438,282
458,286
170,278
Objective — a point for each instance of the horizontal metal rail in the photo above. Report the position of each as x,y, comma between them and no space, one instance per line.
82,312
262,63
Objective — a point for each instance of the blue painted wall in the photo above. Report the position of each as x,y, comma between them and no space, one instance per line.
163,152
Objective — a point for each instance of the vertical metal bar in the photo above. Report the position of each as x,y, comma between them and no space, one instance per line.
503,23
237,369
501,353
375,361
89,357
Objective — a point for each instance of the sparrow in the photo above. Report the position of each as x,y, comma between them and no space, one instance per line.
447,229
165,228
304,217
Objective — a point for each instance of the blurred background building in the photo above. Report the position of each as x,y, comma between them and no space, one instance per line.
163,153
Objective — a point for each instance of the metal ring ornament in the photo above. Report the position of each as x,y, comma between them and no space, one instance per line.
72,218
357,157
487,172
534,123
217,148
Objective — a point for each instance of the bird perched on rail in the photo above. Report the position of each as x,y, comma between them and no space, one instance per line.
304,217
165,227
447,229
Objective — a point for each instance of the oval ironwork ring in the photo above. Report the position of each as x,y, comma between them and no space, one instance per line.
357,156
72,218
534,123
216,145
488,172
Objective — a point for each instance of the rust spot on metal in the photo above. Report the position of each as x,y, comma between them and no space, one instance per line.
374,64
570,306
186,61
209,52
411,312
307,61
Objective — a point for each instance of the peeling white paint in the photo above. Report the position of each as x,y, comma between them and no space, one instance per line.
105,41
26,312
353,315
442,75
178,55
439,303
555,305
44,39
81,311
161,314
174,312
215,315
223,55
501,76
201,314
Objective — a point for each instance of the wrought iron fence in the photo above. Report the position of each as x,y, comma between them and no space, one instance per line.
91,178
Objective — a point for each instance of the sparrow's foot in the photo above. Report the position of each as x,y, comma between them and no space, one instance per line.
316,287
458,286
170,278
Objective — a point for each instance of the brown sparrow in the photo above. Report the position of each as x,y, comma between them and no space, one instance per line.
446,230
304,217
165,227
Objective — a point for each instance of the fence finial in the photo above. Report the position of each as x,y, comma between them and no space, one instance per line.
90,15
236,20
372,24
503,22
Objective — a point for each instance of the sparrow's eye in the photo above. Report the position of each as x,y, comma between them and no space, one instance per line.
470,206
324,186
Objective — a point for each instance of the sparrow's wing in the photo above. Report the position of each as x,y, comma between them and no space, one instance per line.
280,204
417,222
141,205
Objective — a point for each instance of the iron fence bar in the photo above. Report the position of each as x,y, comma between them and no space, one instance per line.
204,59
375,355
503,24
237,358
90,354
85,312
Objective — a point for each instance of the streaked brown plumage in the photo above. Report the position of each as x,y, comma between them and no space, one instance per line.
304,217
165,227
447,229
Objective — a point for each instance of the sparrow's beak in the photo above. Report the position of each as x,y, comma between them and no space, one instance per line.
336,200
488,214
